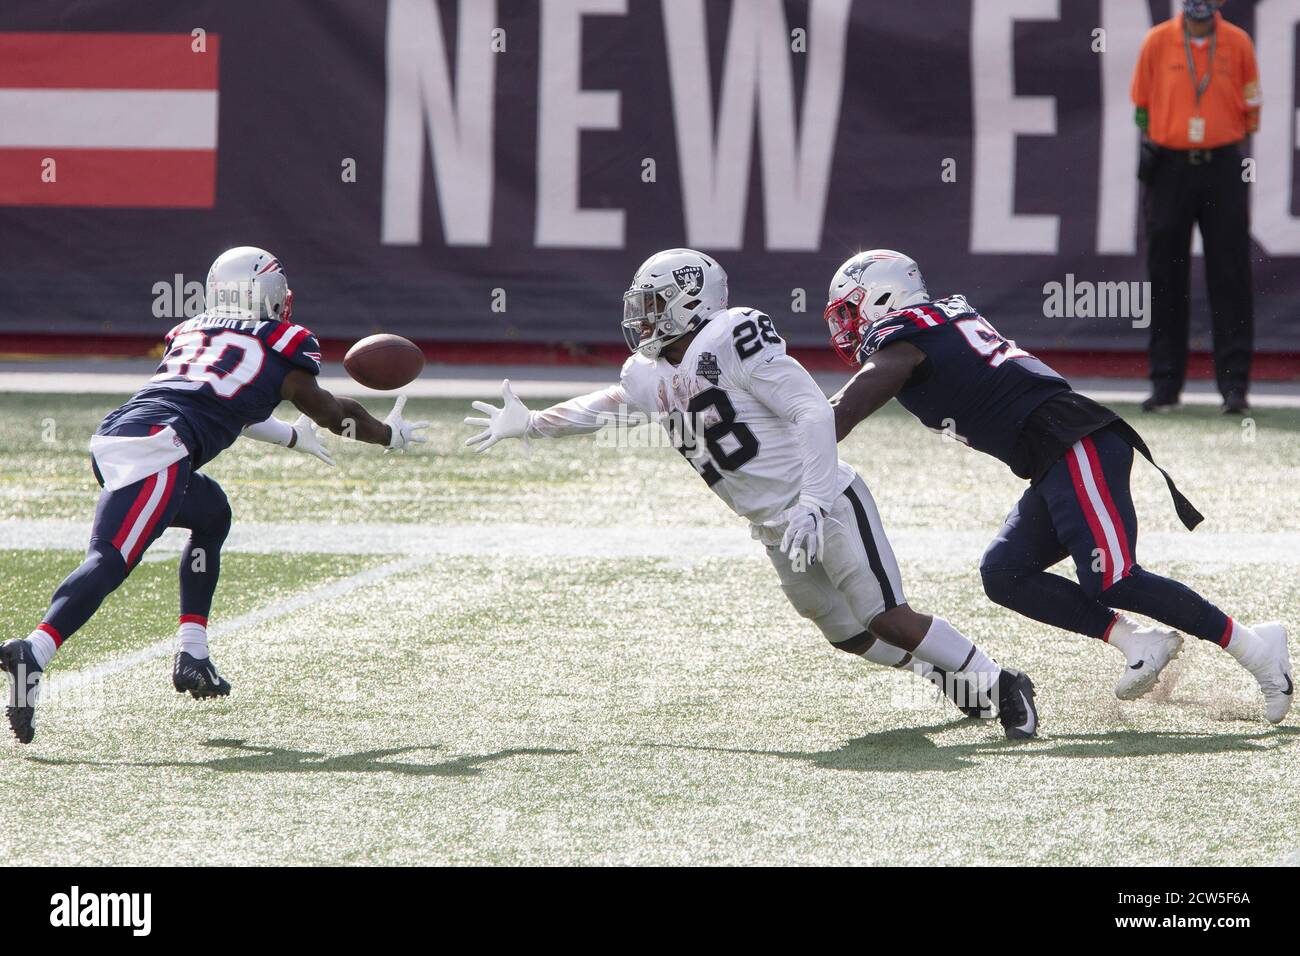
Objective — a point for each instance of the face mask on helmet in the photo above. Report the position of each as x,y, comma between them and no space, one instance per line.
647,322
845,320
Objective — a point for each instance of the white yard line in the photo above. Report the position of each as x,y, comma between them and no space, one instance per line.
449,384
933,547
305,599
125,383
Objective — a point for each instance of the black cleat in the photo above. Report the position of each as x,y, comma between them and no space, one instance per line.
18,661
198,676
1234,403
1160,402
1016,704
962,695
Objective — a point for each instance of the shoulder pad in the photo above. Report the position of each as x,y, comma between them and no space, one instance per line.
901,324
295,344
637,380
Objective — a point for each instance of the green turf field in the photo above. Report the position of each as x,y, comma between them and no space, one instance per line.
575,656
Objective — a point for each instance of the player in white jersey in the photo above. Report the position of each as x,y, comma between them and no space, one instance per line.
761,434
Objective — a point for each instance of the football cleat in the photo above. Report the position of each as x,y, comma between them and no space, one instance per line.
1016,707
960,693
1147,651
1160,402
198,676
1274,674
19,662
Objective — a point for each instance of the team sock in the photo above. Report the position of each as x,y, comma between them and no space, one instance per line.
1243,644
44,641
887,655
193,635
946,647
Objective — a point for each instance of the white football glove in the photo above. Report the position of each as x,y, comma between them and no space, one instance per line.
804,540
403,433
508,421
307,440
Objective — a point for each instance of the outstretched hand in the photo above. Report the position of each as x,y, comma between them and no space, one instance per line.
508,421
403,433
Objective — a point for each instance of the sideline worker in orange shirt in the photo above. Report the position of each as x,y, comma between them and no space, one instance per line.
1196,89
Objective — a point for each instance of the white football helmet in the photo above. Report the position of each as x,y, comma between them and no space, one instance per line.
866,287
247,282
673,292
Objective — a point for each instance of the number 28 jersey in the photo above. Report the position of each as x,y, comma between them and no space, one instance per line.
217,376
726,407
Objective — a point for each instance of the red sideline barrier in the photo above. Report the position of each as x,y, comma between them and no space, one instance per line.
1268,367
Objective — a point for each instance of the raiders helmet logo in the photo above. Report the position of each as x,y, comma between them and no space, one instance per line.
690,279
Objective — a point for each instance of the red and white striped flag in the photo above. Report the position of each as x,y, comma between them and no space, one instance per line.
128,119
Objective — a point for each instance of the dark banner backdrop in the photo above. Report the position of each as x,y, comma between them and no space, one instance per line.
502,151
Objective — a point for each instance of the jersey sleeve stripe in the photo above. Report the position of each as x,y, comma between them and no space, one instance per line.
295,341
287,333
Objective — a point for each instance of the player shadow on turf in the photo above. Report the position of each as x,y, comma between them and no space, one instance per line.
911,749
259,758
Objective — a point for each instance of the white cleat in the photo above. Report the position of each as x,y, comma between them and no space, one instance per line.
1274,673
1147,651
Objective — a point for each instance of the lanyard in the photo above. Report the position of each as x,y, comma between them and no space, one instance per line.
1203,83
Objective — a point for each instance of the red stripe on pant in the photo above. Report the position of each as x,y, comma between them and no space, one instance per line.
198,619
1089,514
137,506
1099,478
170,486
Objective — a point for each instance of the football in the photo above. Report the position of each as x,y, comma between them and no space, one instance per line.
384,361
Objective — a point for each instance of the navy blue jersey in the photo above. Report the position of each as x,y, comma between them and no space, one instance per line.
999,399
217,376
974,384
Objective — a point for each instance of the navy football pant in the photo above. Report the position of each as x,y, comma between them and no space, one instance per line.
130,519
1082,508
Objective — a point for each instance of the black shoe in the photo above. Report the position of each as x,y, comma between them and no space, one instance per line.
963,697
1160,402
1234,403
18,661
198,676
1016,704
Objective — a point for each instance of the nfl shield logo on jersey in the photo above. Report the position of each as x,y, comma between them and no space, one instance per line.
690,279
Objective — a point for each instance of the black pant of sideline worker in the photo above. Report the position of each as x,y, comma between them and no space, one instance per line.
1186,188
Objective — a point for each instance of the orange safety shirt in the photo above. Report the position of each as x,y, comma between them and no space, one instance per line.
1163,87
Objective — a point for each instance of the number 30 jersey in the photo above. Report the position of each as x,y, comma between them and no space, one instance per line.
733,408
217,376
